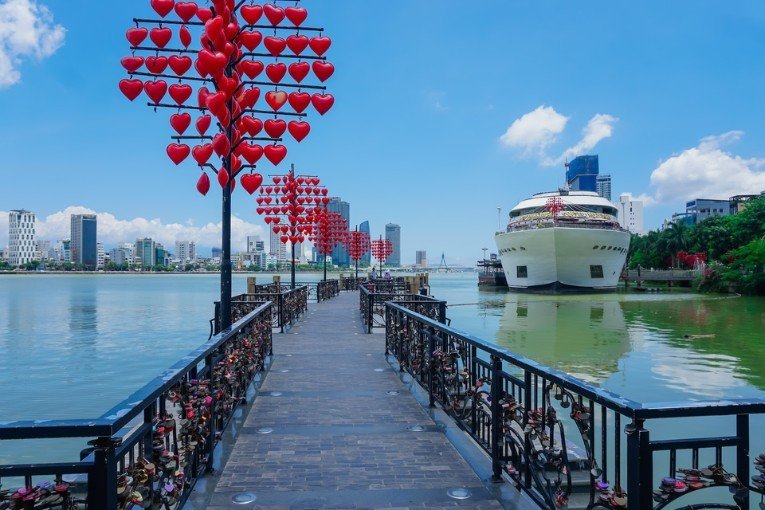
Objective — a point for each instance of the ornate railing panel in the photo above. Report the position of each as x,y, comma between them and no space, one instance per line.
565,442
372,301
327,289
290,305
350,284
149,450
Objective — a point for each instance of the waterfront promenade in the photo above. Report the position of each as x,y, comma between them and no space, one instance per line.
330,428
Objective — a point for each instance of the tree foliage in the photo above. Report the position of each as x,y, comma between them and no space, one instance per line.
734,246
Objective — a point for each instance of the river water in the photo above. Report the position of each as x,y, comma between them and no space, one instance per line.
72,346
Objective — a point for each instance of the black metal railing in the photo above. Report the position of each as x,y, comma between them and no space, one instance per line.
156,444
351,284
372,299
290,305
327,289
563,441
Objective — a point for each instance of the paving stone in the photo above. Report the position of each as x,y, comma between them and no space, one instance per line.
339,440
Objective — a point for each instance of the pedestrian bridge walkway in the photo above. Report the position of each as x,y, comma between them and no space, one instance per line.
334,427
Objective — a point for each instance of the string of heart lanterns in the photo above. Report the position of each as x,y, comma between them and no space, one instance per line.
291,206
381,250
329,231
225,63
357,244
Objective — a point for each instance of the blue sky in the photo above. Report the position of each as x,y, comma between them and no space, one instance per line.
424,93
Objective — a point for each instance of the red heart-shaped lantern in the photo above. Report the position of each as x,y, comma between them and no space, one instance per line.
297,43
299,130
160,36
203,124
274,14
132,64
251,152
137,35
275,45
131,88
178,152
156,65
180,65
186,10
252,125
299,101
320,45
251,182
276,72
202,153
296,15
251,39
299,70
180,93
275,153
323,70
203,184
251,13
276,99
322,102
275,128
156,90
162,7
180,122
252,68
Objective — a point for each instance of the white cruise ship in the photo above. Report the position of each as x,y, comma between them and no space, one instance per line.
563,241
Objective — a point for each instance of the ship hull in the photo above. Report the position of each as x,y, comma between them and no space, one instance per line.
563,259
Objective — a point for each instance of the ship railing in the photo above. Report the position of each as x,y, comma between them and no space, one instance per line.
177,418
527,417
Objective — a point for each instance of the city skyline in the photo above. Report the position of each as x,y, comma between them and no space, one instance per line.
535,109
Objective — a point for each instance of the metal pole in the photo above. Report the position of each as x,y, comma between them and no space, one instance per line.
292,271
325,267
225,263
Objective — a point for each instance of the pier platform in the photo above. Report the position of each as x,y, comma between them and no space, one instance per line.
333,426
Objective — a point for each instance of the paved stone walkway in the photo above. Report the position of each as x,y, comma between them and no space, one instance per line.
337,438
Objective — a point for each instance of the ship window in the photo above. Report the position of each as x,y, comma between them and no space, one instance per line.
523,249
595,247
522,272
603,247
596,271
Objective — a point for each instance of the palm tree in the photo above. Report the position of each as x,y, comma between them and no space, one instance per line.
675,238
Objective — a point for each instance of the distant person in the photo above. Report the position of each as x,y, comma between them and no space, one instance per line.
374,273
387,274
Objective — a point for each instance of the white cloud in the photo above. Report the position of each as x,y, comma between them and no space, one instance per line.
707,171
26,30
436,100
599,127
112,230
647,199
535,131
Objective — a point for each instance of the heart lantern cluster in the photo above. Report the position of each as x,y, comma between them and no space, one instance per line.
382,249
357,244
291,205
244,72
329,231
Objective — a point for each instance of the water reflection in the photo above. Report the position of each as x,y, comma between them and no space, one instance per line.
581,337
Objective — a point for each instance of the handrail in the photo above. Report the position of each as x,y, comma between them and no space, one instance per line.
513,407
247,345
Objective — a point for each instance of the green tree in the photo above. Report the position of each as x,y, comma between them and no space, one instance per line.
673,239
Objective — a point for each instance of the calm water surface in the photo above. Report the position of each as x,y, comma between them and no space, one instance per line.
74,346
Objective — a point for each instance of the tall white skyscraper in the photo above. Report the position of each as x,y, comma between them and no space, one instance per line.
186,251
603,186
630,213
100,256
255,245
393,234
277,248
21,235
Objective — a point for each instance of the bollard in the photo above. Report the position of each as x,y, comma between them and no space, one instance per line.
251,285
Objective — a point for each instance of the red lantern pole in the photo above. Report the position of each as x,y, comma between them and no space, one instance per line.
381,250
224,68
357,244
328,232
290,207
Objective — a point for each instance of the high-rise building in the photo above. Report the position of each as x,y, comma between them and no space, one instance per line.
186,251
277,248
121,256
393,234
582,172
367,258
44,251
100,256
421,259
85,240
255,245
703,208
339,253
145,253
603,186
62,252
630,213
21,235
161,256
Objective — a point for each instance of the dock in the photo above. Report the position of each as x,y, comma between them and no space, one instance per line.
333,426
